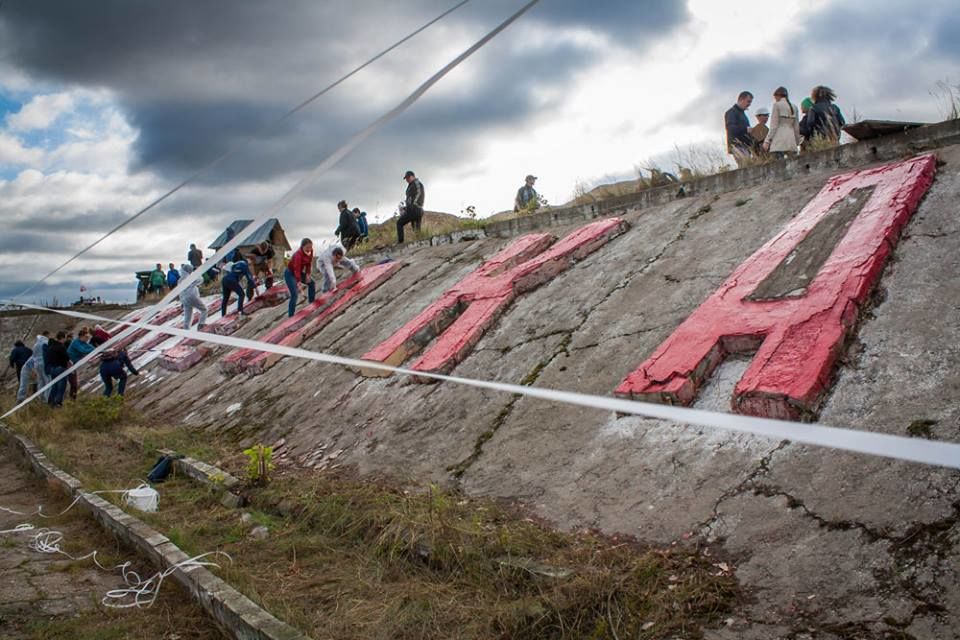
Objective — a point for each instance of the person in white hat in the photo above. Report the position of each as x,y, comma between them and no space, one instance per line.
760,130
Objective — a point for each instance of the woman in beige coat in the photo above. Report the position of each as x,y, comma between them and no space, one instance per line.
784,135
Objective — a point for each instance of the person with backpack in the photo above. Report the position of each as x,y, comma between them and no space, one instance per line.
329,258
112,363
412,211
361,217
824,121
298,273
190,301
233,272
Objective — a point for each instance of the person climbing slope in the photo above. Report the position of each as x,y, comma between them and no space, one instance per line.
297,273
329,258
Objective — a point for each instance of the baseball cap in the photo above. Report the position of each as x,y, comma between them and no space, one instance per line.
530,177
409,174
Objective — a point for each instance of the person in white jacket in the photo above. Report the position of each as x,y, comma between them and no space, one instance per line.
784,135
330,257
190,300
34,368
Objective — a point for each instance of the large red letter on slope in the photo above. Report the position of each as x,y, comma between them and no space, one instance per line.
463,313
799,327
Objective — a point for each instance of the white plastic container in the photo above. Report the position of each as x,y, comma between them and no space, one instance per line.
144,498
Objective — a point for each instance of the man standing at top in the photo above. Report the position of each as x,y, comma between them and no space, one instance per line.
739,140
525,195
413,213
195,256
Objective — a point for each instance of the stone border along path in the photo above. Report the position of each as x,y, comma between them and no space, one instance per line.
239,616
212,477
846,156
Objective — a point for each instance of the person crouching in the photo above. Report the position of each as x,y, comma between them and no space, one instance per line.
112,363
329,258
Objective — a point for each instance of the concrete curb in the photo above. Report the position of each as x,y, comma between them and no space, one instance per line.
208,475
239,616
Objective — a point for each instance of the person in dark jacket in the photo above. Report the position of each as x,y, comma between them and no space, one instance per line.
57,361
298,273
349,230
112,363
824,120
195,256
233,272
262,256
361,217
19,356
739,140
413,205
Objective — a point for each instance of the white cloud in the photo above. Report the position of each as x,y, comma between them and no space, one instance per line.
41,112
13,153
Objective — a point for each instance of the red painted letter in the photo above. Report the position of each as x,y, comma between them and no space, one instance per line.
799,328
309,320
463,313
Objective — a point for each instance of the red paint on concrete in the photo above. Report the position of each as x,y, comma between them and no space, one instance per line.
459,318
187,352
799,338
311,319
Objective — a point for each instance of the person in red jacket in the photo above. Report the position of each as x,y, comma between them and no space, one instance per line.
298,272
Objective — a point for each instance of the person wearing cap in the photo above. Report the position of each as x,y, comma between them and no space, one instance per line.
526,195
413,205
760,130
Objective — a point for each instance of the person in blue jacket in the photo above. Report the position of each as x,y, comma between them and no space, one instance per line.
361,217
232,274
173,276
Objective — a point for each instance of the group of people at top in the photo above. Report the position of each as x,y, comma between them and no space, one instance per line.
51,356
790,129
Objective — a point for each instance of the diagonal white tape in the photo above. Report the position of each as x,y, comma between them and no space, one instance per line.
945,454
290,195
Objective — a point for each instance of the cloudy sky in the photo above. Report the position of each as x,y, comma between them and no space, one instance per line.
105,105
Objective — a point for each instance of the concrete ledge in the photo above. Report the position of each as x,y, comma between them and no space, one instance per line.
208,475
239,616
890,147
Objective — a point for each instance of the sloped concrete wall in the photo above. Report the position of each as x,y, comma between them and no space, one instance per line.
824,538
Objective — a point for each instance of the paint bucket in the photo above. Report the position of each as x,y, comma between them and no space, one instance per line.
143,498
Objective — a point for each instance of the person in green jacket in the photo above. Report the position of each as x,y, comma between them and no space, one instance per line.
158,279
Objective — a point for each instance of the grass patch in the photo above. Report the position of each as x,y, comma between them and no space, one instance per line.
352,558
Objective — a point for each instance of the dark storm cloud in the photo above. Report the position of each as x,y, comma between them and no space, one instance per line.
197,78
880,57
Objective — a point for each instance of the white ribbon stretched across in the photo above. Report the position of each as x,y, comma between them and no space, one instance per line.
298,188
945,454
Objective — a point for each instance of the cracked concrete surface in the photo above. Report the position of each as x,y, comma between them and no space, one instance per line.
828,544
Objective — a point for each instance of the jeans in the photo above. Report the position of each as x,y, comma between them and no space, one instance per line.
291,281
413,215
59,387
227,284
110,370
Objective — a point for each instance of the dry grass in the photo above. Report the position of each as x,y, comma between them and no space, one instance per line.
384,235
351,558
